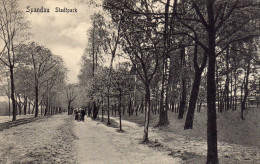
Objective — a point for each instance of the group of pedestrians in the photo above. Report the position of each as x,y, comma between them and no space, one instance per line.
79,114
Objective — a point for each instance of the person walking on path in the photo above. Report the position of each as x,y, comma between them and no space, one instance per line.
76,114
83,114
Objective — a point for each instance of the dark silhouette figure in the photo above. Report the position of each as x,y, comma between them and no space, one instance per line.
95,111
82,114
89,112
76,114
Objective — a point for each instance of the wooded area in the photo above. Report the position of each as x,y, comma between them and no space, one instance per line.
34,74
178,56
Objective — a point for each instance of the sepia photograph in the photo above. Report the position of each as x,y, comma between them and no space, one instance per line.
130,82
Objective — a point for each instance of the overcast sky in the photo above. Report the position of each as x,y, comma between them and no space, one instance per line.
63,33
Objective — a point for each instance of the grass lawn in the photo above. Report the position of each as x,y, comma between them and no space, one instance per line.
231,128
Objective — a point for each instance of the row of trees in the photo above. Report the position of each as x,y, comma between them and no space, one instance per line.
183,54
36,75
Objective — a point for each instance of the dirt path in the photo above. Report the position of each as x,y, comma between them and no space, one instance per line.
60,139
99,144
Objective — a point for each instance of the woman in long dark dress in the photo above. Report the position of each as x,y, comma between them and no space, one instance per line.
82,114
76,114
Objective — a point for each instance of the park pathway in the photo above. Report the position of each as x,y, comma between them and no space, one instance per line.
188,150
60,139
98,144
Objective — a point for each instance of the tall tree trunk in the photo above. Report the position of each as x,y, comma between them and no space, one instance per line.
195,88
183,100
225,94
96,59
193,100
142,106
119,110
235,92
36,100
218,87
212,152
173,106
129,106
163,116
147,113
46,109
47,101
243,105
69,106
184,92
29,108
41,107
9,97
108,106
93,49
102,107
136,110
17,104
12,92
227,81
25,105
9,105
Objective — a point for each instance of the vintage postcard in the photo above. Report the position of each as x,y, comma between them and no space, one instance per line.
129,81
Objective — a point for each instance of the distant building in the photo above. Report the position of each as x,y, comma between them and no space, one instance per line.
252,100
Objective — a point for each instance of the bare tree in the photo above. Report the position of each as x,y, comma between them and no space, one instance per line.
214,18
12,28
70,97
